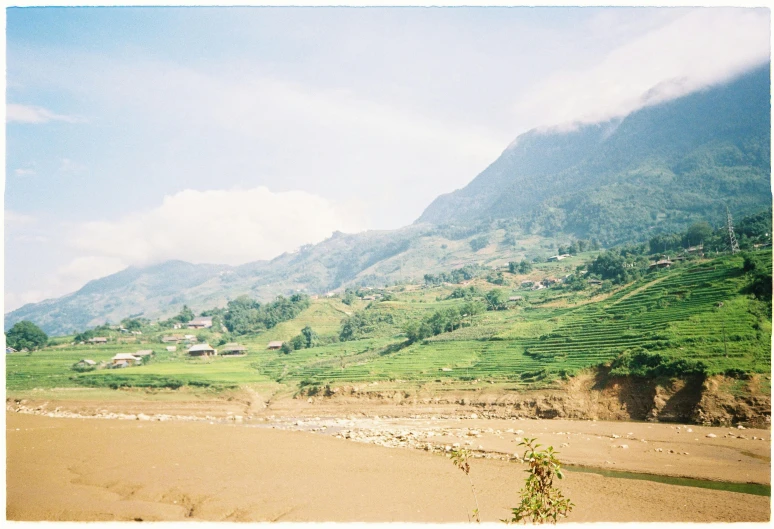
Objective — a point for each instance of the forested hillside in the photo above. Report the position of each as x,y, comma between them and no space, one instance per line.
658,169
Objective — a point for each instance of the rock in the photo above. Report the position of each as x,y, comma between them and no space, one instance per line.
623,446
614,436
143,417
711,435
658,450
474,416
690,431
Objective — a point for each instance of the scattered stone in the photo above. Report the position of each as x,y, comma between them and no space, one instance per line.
711,435
614,436
740,427
623,446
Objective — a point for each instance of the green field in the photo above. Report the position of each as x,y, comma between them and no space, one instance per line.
696,310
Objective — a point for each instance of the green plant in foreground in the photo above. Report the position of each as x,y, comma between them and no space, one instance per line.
460,459
540,501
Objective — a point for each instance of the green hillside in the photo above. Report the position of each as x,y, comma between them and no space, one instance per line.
698,310
657,169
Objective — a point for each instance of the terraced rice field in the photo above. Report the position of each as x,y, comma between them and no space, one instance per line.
697,311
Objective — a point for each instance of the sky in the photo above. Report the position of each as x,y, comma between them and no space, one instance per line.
228,135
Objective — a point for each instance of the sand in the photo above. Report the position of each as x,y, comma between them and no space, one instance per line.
100,469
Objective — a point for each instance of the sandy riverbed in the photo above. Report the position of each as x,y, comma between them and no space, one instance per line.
99,469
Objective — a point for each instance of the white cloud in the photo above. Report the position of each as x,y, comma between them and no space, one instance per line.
15,113
219,226
13,218
64,280
66,165
703,47
24,172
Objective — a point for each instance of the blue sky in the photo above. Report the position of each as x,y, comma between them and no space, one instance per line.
227,135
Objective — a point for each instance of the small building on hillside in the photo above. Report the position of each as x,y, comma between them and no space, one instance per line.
202,349
515,298
98,340
171,348
663,263
595,281
233,349
125,357
144,352
86,363
275,345
200,323
176,338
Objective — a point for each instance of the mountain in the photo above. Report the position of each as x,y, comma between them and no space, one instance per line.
657,169
654,171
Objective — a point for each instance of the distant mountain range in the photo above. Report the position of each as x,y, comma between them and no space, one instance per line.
656,170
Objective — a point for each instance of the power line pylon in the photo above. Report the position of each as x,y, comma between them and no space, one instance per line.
731,237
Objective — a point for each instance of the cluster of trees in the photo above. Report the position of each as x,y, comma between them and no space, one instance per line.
644,364
245,315
578,246
760,279
458,275
749,231
306,339
25,335
185,315
445,320
363,323
522,267
476,244
619,265
99,330
468,293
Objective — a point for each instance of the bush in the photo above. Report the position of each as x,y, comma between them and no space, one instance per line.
541,502
640,363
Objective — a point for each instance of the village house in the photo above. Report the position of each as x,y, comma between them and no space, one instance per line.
98,339
176,338
144,352
128,358
202,349
86,363
274,345
233,349
663,263
200,323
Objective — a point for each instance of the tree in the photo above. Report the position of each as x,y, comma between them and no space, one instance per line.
496,299
297,342
310,337
697,233
26,335
185,315
525,267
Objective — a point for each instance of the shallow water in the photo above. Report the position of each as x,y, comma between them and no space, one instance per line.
746,488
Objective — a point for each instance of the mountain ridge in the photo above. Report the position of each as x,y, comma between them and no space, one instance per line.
654,171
